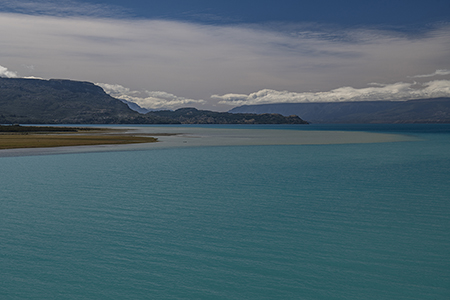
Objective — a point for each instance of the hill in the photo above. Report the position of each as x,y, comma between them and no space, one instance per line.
435,110
195,116
57,101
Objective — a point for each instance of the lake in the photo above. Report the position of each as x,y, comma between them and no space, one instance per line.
232,212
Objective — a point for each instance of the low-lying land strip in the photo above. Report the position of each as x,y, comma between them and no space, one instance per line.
15,136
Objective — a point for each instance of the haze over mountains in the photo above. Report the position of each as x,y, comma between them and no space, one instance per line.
435,110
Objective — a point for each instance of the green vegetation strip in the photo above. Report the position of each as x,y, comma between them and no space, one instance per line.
13,141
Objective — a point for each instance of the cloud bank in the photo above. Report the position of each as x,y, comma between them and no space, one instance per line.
8,74
442,72
392,92
190,62
151,99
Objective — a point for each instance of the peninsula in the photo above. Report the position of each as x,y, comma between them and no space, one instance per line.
16,136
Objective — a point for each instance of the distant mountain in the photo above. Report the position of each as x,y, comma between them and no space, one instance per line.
435,110
57,101
136,107
195,116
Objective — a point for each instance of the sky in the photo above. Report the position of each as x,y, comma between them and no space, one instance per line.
216,55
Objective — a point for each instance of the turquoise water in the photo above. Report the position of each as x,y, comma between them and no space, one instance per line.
342,221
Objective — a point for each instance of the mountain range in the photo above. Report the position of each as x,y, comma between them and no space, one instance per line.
57,101
436,110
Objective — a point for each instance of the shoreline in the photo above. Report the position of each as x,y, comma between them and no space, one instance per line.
131,138
15,141
24,137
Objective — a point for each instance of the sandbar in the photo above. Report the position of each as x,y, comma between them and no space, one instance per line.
201,136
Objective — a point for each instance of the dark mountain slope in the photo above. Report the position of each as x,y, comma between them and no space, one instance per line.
63,101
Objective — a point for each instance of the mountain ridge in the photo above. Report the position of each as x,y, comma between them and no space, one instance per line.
434,110
62,101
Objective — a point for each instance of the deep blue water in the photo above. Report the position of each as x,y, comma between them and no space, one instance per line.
349,221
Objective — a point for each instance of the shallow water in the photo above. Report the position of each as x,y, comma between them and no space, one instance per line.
203,136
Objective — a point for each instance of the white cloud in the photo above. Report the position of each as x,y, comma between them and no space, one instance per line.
116,90
5,73
397,91
440,72
151,99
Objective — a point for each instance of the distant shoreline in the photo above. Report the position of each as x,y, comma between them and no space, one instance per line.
17,137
